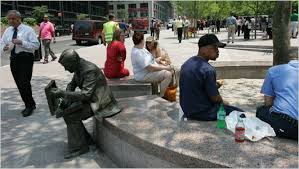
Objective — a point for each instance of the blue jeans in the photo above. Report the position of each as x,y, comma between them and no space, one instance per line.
283,125
212,116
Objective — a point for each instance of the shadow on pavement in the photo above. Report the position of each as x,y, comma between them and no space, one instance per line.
38,140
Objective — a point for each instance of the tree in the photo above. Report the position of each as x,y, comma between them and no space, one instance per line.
39,12
280,29
122,14
29,21
4,20
81,16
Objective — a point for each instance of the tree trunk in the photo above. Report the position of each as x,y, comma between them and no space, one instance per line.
280,29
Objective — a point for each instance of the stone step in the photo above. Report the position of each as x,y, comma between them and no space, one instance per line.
149,133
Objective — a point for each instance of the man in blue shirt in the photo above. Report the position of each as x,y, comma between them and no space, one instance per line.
123,26
280,91
199,95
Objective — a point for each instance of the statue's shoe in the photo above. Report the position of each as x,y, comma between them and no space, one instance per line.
73,154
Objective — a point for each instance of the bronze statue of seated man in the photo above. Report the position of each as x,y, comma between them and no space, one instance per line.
93,98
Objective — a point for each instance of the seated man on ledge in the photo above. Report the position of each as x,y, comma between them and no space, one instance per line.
280,91
199,95
94,98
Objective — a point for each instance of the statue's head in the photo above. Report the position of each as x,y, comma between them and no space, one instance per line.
70,60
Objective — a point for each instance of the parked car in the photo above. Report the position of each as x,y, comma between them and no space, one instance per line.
169,24
62,30
88,30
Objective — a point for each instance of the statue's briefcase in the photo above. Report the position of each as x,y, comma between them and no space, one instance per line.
52,101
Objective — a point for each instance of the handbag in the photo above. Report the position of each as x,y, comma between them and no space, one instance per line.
170,93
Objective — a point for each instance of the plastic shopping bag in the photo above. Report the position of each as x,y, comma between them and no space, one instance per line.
255,129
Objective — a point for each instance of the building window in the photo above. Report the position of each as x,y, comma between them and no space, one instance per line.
133,14
132,5
110,7
144,5
121,6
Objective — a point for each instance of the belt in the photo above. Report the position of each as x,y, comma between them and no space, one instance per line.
287,118
22,54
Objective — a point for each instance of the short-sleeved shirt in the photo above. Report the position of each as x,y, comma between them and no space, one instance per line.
231,21
281,82
179,23
294,17
197,83
141,58
47,29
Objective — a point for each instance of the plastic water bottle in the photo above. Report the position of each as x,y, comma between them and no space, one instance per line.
240,131
221,117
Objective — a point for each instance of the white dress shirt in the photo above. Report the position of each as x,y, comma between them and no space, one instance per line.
26,34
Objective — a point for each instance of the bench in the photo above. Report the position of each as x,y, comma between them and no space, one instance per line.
128,87
148,133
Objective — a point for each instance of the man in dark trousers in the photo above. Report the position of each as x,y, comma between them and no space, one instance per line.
280,89
22,41
93,98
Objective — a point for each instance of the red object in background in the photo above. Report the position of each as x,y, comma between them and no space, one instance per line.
115,61
140,24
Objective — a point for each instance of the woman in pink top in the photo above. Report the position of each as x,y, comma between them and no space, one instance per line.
116,56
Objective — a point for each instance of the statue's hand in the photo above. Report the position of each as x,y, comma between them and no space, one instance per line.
57,92
59,112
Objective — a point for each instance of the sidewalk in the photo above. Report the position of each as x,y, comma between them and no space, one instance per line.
40,140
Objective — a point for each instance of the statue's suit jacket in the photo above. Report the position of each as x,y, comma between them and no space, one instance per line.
94,90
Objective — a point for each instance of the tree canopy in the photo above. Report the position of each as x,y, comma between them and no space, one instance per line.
222,9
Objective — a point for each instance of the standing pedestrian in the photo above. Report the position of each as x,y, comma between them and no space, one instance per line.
46,34
239,24
231,24
294,24
174,27
152,27
269,27
186,24
24,42
123,27
247,28
157,29
109,28
179,26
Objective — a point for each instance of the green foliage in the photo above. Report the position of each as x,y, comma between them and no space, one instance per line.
4,21
122,14
39,12
82,16
222,9
29,21
295,5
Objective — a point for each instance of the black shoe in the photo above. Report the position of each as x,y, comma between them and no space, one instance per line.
45,62
28,111
53,59
73,154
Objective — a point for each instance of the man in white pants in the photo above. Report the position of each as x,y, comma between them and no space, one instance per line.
231,24
294,24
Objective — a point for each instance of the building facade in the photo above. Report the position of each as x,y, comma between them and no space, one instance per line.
161,10
61,12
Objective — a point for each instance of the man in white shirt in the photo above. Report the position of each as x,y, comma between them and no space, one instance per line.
21,41
186,23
